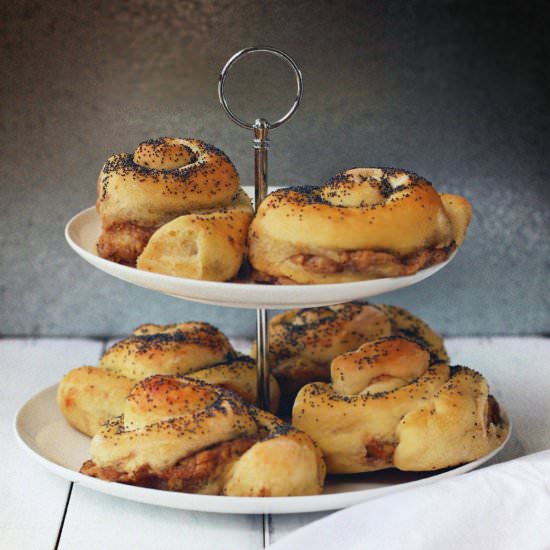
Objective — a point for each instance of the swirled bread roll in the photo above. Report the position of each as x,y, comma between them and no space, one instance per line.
185,435
388,406
303,342
88,396
174,206
364,223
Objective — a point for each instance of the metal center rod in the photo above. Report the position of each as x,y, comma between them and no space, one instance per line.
261,145
261,128
262,362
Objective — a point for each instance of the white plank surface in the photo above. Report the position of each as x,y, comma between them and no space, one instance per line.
97,521
33,500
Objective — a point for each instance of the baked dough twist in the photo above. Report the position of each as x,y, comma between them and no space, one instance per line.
303,342
364,223
174,207
209,245
87,396
184,435
387,406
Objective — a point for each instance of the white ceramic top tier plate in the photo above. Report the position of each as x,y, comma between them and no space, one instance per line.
47,437
82,233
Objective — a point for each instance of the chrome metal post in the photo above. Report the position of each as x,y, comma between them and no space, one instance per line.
261,145
262,349
261,129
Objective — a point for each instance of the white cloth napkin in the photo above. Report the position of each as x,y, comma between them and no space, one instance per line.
501,507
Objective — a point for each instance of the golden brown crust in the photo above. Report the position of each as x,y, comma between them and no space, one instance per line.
149,192
88,396
364,223
388,406
209,245
460,213
303,342
185,435
167,349
379,366
174,207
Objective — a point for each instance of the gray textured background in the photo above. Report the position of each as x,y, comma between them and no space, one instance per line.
456,91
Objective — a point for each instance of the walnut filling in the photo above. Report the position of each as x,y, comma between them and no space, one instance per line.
373,263
368,263
188,475
379,453
124,242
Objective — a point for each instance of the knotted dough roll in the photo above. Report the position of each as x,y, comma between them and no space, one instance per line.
185,435
364,223
175,207
388,406
88,396
209,245
303,342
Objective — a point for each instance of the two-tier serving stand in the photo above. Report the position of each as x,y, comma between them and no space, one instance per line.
82,233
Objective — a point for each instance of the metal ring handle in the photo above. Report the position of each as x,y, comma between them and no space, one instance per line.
299,83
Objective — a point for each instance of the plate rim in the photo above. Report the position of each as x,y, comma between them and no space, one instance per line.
292,293
231,504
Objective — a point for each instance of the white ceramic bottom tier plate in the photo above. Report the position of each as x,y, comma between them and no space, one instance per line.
46,436
82,233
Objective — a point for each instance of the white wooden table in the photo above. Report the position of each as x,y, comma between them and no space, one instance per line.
39,510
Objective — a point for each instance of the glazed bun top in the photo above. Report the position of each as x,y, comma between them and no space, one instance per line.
320,334
165,177
379,366
167,349
365,208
